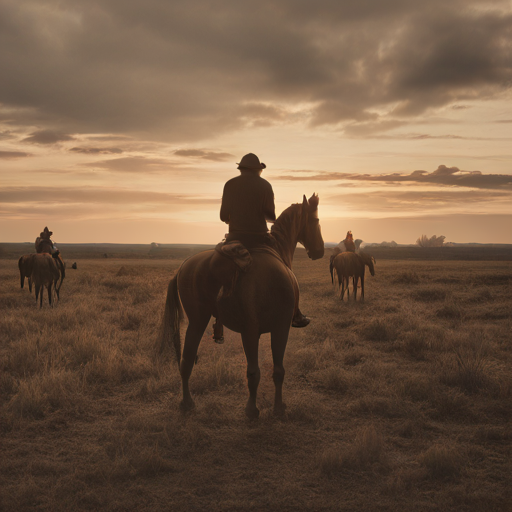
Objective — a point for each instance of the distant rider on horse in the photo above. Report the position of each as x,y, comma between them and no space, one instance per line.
45,244
247,205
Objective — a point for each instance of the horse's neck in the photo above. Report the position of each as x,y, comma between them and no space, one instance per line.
286,231
45,246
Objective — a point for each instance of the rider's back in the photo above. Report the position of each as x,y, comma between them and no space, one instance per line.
247,203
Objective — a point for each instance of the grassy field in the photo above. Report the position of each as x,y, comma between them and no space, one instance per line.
401,402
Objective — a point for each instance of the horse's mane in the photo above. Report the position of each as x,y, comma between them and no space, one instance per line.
283,223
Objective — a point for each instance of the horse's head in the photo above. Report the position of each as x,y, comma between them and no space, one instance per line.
311,235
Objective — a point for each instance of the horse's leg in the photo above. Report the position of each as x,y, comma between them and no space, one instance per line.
30,285
251,343
50,293
218,331
195,330
354,285
362,287
279,338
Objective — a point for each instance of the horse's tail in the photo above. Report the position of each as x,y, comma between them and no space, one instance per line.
22,274
62,268
173,315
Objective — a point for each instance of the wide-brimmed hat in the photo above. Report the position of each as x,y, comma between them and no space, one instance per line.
46,233
251,162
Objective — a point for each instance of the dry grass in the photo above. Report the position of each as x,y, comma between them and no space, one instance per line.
400,402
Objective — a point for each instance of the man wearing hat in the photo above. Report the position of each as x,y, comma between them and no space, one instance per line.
247,205
44,238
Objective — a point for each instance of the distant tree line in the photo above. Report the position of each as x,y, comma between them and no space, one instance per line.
433,241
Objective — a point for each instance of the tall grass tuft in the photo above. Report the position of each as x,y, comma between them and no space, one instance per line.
429,294
379,330
442,461
407,277
35,397
367,449
469,369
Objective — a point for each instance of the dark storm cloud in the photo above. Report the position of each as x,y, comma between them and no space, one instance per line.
443,175
121,66
47,137
11,155
206,155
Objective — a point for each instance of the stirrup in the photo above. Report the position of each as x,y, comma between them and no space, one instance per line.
219,341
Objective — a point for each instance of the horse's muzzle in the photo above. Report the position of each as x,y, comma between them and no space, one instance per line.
316,255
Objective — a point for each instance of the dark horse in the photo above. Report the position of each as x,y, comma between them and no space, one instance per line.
46,246
263,300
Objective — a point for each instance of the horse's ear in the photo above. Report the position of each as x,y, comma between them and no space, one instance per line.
304,200
314,200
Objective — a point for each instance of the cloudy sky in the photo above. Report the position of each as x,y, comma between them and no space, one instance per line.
121,120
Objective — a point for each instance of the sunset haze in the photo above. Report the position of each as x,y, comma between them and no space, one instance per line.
121,121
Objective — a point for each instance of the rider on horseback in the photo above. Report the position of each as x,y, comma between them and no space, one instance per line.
45,244
247,205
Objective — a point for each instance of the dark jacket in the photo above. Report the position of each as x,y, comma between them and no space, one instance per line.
247,204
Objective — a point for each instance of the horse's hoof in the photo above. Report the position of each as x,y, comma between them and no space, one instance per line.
219,341
302,321
187,405
252,413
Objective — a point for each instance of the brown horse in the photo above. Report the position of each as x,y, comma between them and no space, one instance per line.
45,272
45,246
25,264
262,301
348,264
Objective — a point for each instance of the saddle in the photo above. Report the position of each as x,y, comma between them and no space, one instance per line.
240,256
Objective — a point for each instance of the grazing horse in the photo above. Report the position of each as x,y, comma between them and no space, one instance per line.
346,265
25,264
262,300
45,272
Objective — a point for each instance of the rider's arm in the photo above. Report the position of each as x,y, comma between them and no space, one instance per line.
224,208
269,208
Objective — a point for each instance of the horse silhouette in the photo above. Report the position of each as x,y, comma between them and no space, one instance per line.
348,264
45,272
45,246
262,300
25,265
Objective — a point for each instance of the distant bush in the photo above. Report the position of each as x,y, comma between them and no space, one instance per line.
433,241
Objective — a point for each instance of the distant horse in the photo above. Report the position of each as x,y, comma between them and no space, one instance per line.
348,264
45,272
25,264
368,260
262,300
45,246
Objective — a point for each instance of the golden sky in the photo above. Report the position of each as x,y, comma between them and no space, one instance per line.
121,120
